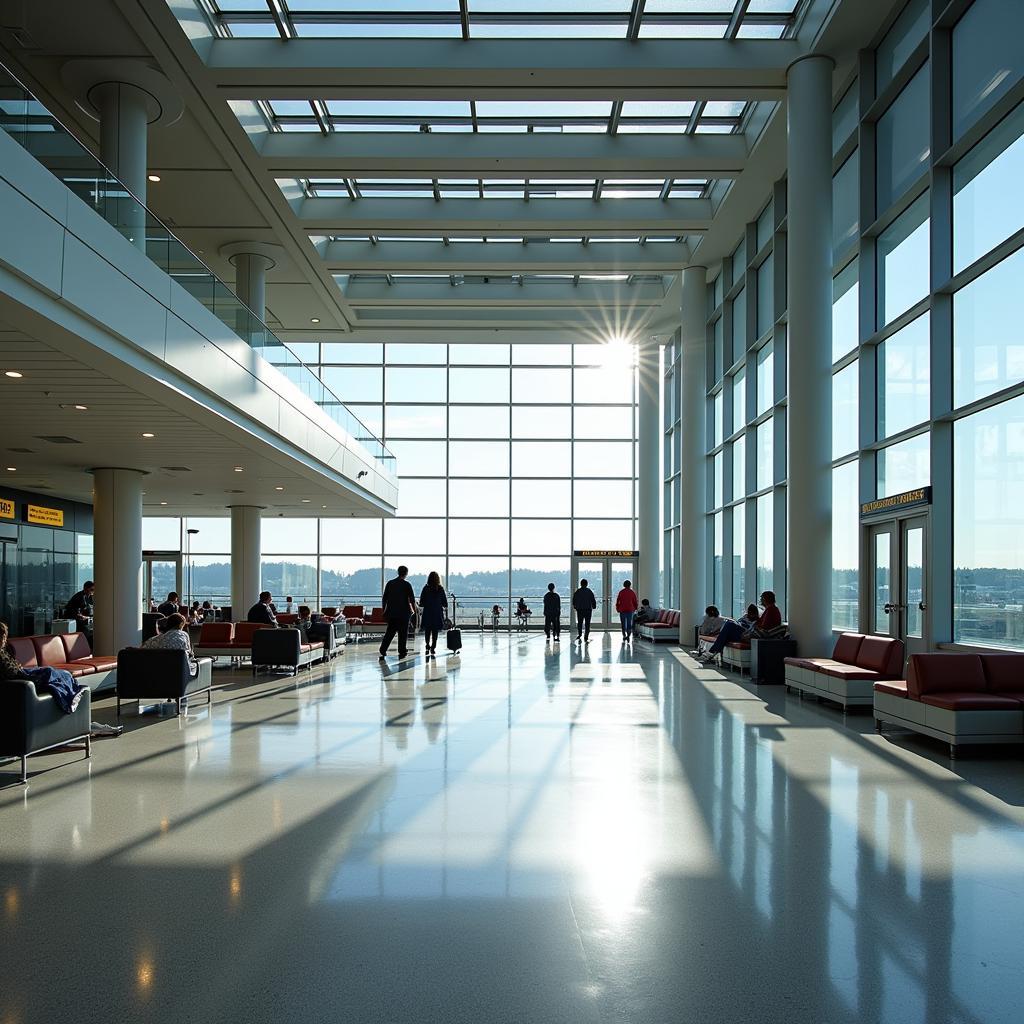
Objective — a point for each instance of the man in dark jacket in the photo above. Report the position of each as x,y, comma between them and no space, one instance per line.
399,603
170,606
584,602
261,610
552,612
80,606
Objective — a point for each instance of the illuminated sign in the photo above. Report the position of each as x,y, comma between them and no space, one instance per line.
604,553
896,502
44,516
6,508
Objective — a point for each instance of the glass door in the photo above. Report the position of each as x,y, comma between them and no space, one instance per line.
619,570
914,584
593,571
161,573
605,576
884,617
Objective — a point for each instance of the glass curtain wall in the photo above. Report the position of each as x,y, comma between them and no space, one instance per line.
671,468
510,456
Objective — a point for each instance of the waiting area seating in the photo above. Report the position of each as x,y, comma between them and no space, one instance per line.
957,698
665,629
231,640
858,662
160,674
283,648
69,651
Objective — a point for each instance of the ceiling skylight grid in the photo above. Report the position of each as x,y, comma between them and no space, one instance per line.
506,19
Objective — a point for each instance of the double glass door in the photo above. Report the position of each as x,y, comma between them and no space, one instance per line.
161,574
899,553
605,576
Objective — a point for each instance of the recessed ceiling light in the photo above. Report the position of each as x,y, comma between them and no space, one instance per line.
153,177
238,469
149,435
12,469
13,373
323,506
163,502
305,501
81,408
314,319
278,488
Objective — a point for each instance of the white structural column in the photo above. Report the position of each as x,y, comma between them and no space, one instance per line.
693,406
251,280
124,129
649,433
117,516
245,559
809,357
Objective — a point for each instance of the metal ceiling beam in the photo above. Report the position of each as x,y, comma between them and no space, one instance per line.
751,69
503,293
486,155
504,257
498,216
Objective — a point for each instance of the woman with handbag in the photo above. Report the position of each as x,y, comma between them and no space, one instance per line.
434,611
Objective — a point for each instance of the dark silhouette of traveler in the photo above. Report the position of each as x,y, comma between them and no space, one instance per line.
399,604
434,608
263,610
552,613
584,603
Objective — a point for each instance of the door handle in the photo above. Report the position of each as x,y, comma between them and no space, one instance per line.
889,608
921,606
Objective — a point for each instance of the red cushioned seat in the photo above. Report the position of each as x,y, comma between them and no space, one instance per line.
351,612
76,646
673,618
881,654
957,700
840,670
49,650
23,651
287,619
846,648
376,617
306,648
944,673
663,616
100,663
895,687
814,664
245,630
739,645
76,668
659,625
1003,672
216,634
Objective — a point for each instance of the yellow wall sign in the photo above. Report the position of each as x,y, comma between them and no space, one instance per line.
6,508
918,496
45,516
605,553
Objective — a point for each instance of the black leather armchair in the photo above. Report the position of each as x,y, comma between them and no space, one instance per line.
31,722
283,648
160,675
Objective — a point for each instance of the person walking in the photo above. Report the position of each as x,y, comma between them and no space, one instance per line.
433,611
584,602
626,605
552,613
399,604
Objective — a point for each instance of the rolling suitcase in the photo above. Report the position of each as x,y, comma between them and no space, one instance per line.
454,640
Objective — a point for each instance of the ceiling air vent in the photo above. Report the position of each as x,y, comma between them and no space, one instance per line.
177,469
23,451
57,439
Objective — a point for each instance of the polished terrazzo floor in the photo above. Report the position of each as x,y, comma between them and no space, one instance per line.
519,834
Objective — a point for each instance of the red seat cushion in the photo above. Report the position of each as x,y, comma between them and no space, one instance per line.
1003,672
673,618
847,646
245,630
306,648
957,700
350,611
287,619
75,646
76,668
739,645
99,664
896,687
23,651
840,670
881,654
814,664
216,634
663,615
944,673
49,650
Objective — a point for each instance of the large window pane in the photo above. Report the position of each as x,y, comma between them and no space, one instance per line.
531,576
845,546
765,378
739,400
603,498
351,352
603,533
718,478
609,422
718,415
739,468
478,421
549,498
904,466
478,458
541,536
371,417
988,522
598,384
602,458
419,353
422,498
486,353
542,355
404,537
844,118
902,148
479,385
547,385
845,410
739,326
279,535
350,536
765,297
419,384
765,543
988,205
478,536
903,262
901,40
355,383
211,578
765,454
988,332
903,378
739,562
845,311
414,421
351,580
718,560
988,59
541,458
477,498
293,575
542,421
164,534
846,203
479,582
420,458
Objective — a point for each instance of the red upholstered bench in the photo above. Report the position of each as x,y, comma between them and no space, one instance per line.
957,698
69,651
665,629
216,640
848,677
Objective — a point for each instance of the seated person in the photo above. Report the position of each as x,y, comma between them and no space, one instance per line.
60,683
712,622
173,635
170,606
209,612
749,617
263,610
195,614
768,624
646,613
289,605
304,621
522,609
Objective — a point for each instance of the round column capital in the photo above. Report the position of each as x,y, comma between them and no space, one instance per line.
272,254
87,78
